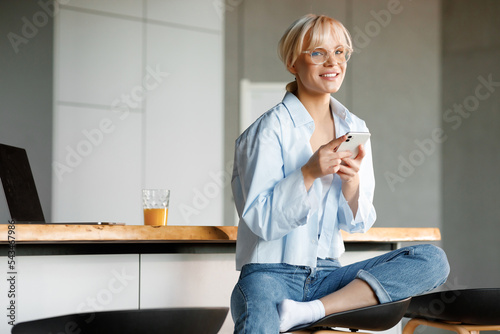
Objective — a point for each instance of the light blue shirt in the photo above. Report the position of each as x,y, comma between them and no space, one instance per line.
279,218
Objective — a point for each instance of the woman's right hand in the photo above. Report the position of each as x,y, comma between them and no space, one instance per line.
324,161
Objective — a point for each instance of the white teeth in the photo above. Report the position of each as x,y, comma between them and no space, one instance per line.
329,75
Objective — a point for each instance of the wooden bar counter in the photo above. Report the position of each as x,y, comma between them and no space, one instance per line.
34,238
31,233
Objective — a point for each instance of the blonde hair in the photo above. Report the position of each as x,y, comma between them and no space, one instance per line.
313,29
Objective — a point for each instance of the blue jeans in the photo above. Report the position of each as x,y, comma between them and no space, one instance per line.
393,276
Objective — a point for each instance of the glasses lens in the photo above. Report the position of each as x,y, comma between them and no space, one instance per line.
319,55
342,54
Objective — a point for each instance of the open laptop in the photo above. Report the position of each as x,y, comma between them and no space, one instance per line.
19,200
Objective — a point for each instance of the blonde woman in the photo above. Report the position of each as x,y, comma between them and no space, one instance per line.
294,193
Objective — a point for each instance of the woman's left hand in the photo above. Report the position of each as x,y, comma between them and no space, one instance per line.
348,173
349,168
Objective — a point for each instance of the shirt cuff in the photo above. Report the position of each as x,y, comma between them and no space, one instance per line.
295,200
364,219
345,213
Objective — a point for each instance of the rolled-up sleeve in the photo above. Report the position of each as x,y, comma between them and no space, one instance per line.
269,202
366,215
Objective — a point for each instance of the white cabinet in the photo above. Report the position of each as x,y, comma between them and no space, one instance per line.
188,280
48,286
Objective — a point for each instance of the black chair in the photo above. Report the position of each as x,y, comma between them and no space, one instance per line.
463,311
373,318
151,321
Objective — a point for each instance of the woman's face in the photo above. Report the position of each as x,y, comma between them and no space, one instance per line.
314,79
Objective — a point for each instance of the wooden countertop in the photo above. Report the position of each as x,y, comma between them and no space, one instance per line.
31,233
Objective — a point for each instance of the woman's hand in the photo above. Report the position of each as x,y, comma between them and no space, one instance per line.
348,173
325,161
349,168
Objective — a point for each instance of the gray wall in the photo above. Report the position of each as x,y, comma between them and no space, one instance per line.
26,88
471,159
393,82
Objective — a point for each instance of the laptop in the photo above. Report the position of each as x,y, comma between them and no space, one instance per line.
19,201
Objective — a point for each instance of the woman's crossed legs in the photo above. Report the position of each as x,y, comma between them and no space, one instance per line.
262,288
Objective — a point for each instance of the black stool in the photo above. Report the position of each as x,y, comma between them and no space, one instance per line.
152,321
373,318
462,311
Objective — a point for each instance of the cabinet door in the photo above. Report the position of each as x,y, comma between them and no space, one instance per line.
48,286
188,280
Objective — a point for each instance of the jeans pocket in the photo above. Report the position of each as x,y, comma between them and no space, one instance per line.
407,251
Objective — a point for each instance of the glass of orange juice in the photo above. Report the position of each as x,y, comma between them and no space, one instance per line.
155,205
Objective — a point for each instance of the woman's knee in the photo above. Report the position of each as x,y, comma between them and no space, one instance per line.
436,262
254,302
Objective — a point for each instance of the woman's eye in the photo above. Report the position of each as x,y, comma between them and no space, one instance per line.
319,53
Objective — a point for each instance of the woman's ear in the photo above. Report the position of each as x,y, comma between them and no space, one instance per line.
292,69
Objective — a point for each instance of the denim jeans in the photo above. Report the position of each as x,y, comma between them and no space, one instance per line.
393,276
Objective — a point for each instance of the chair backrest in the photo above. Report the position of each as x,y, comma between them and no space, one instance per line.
468,306
152,321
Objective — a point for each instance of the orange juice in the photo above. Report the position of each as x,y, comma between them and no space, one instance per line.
155,216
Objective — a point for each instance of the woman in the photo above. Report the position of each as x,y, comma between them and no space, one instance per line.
294,192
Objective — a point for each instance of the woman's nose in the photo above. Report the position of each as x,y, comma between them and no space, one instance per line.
330,61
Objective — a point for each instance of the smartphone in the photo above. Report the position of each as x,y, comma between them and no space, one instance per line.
354,139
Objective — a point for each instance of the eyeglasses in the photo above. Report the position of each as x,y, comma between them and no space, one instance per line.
320,55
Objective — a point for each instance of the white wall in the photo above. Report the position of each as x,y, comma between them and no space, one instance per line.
138,104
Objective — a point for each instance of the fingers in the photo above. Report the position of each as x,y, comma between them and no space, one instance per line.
326,160
344,154
350,167
361,152
332,160
335,166
334,144
346,174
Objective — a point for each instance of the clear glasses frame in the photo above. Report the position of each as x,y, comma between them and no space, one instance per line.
321,55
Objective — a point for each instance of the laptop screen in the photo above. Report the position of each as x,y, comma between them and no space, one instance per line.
19,186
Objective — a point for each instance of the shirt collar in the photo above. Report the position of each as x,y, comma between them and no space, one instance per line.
301,116
296,109
339,110
342,117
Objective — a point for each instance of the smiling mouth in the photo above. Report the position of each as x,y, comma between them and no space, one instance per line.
329,75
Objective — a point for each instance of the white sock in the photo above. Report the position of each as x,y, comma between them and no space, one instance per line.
294,313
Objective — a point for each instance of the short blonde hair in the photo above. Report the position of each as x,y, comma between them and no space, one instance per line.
313,29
